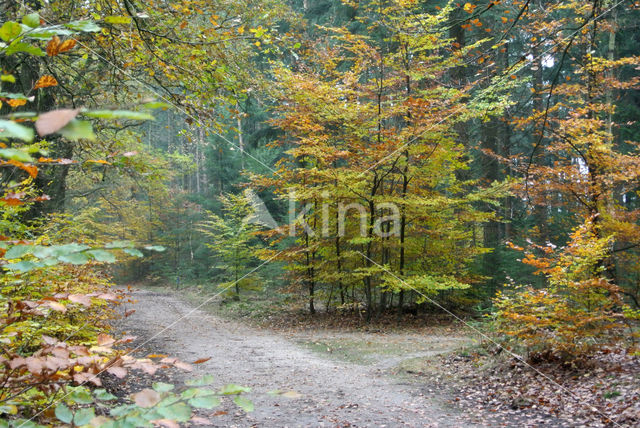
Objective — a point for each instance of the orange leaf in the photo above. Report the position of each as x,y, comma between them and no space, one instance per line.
17,102
45,82
30,169
52,46
13,199
156,356
201,360
67,45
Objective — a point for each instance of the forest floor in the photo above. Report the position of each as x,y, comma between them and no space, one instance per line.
333,377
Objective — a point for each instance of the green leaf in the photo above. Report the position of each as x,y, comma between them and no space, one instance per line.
158,248
23,266
78,130
83,416
204,380
74,258
206,402
103,395
15,154
25,423
163,387
117,19
18,251
10,30
63,413
10,129
231,389
156,104
32,20
179,412
81,396
45,33
119,114
133,252
244,403
18,46
119,244
102,256
85,26
9,409
61,250
13,96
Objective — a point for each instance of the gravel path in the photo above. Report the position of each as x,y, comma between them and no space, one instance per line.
331,393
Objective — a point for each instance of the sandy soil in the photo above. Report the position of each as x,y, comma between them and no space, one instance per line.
333,391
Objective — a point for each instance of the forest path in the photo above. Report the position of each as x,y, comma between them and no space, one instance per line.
332,393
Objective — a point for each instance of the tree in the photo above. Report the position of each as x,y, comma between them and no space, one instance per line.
369,129
232,240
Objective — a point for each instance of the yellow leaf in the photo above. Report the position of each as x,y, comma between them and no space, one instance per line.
468,7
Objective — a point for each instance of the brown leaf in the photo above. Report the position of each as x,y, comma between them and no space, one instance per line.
119,372
184,366
60,352
146,398
166,423
86,377
80,350
56,363
55,120
105,340
149,368
48,339
107,296
200,421
17,362
35,365
80,298
201,360
56,306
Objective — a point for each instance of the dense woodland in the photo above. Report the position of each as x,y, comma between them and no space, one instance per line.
137,137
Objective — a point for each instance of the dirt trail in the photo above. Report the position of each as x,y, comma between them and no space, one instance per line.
332,393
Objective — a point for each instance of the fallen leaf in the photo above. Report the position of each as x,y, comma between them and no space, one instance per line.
146,398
